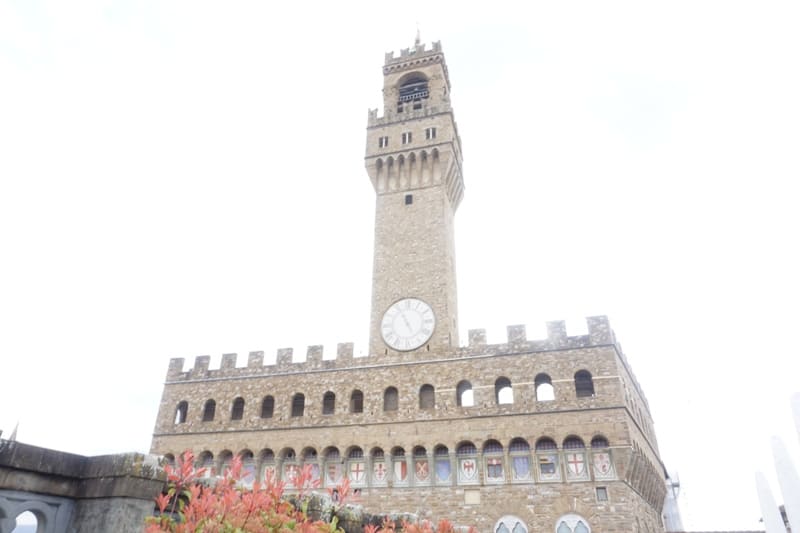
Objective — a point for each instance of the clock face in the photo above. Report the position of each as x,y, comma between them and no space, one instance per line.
407,324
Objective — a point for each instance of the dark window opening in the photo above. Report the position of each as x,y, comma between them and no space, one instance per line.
180,412
357,402
298,404
584,387
414,88
328,403
602,494
427,397
390,399
409,199
267,407
209,410
237,411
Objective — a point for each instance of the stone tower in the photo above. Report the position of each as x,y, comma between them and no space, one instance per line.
550,435
414,162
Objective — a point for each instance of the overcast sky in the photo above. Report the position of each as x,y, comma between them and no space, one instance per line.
186,178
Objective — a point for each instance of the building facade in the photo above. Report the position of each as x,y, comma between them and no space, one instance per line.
552,434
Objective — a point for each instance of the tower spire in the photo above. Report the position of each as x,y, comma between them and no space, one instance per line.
417,39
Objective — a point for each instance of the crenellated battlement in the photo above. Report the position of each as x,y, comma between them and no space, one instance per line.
419,51
289,362
374,120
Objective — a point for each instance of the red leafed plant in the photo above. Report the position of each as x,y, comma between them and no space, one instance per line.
227,507
193,505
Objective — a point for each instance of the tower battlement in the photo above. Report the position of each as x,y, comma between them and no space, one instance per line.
416,52
287,360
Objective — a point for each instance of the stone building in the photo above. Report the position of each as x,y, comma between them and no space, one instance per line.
552,434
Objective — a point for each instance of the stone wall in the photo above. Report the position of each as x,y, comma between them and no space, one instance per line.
77,494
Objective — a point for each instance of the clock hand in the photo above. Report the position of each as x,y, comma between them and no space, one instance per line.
408,324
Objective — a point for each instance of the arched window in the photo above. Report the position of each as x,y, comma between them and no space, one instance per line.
267,407
520,452
29,521
399,466
519,444
357,402
390,399
464,396
422,467
333,466
267,459
599,441
298,404
209,409
441,463
413,87
510,524
237,409
206,461
224,460
547,458
467,461
503,393
545,444
584,387
356,466
180,412
427,397
573,443
575,458
248,467
169,459
544,388
572,523
380,473
328,403
493,452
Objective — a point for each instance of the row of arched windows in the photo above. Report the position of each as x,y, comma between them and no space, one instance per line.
503,394
493,464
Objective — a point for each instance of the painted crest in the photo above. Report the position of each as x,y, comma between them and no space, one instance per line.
421,470
358,472
576,464
400,471
468,469
602,463
379,471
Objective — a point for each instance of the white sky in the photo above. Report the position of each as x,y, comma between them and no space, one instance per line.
186,178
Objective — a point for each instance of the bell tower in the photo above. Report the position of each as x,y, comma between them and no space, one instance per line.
413,159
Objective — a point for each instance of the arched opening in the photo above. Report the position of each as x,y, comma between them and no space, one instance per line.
298,404
572,523
267,407
181,411
599,441
248,467
503,393
544,388
209,410
390,397
28,522
357,401
237,409
205,461
413,87
464,395
328,403
510,524
427,397
584,386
